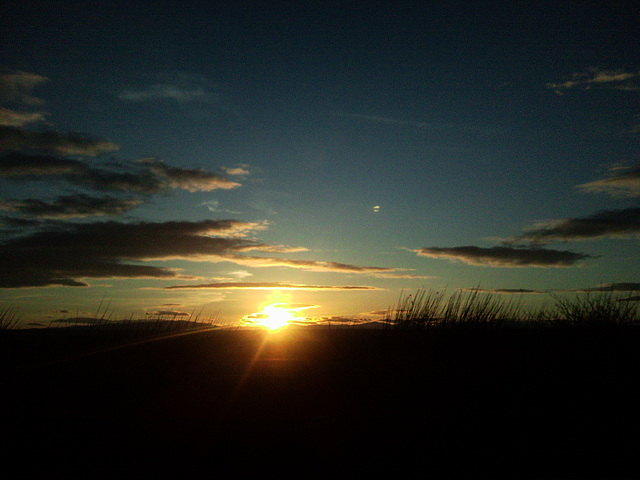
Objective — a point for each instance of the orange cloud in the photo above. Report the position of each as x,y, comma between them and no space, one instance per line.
266,286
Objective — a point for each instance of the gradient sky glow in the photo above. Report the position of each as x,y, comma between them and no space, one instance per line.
199,156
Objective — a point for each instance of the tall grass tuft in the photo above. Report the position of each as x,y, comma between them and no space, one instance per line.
429,309
474,308
419,310
596,310
9,318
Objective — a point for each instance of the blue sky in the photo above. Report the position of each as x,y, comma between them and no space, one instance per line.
185,156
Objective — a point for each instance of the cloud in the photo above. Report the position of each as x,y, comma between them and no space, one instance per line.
596,78
168,313
241,274
193,180
236,171
505,256
404,276
505,291
122,177
145,176
69,206
11,118
16,139
16,87
309,265
266,286
635,298
398,122
66,254
608,223
179,87
615,287
71,252
28,165
624,183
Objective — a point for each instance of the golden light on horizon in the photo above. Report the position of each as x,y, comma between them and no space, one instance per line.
274,317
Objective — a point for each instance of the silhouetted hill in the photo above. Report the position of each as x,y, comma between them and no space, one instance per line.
517,403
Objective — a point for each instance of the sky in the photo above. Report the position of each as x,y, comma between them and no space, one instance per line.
211,158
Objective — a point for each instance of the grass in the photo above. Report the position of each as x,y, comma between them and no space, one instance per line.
68,338
9,318
428,309
589,310
504,388
159,323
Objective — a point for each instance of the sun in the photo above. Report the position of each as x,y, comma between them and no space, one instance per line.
274,317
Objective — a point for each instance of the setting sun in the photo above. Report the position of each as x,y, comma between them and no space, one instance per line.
274,317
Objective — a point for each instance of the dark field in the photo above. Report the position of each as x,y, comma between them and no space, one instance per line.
557,402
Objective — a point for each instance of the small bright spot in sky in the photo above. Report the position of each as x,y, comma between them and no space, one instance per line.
376,208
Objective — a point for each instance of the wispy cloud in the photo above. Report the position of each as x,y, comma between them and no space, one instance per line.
178,87
615,287
308,265
11,118
266,286
16,87
193,180
30,165
146,176
240,171
16,139
435,126
404,276
505,256
69,206
506,291
623,182
168,313
609,223
596,78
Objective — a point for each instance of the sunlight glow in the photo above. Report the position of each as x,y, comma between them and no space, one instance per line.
274,317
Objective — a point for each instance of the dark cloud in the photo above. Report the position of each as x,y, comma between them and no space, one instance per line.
266,286
624,182
15,165
120,177
17,139
616,287
16,87
596,78
505,291
69,206
168,313
143,177
608,223
635,298
505,256
70,253
193,180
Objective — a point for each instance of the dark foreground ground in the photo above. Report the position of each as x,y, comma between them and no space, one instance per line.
548,403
